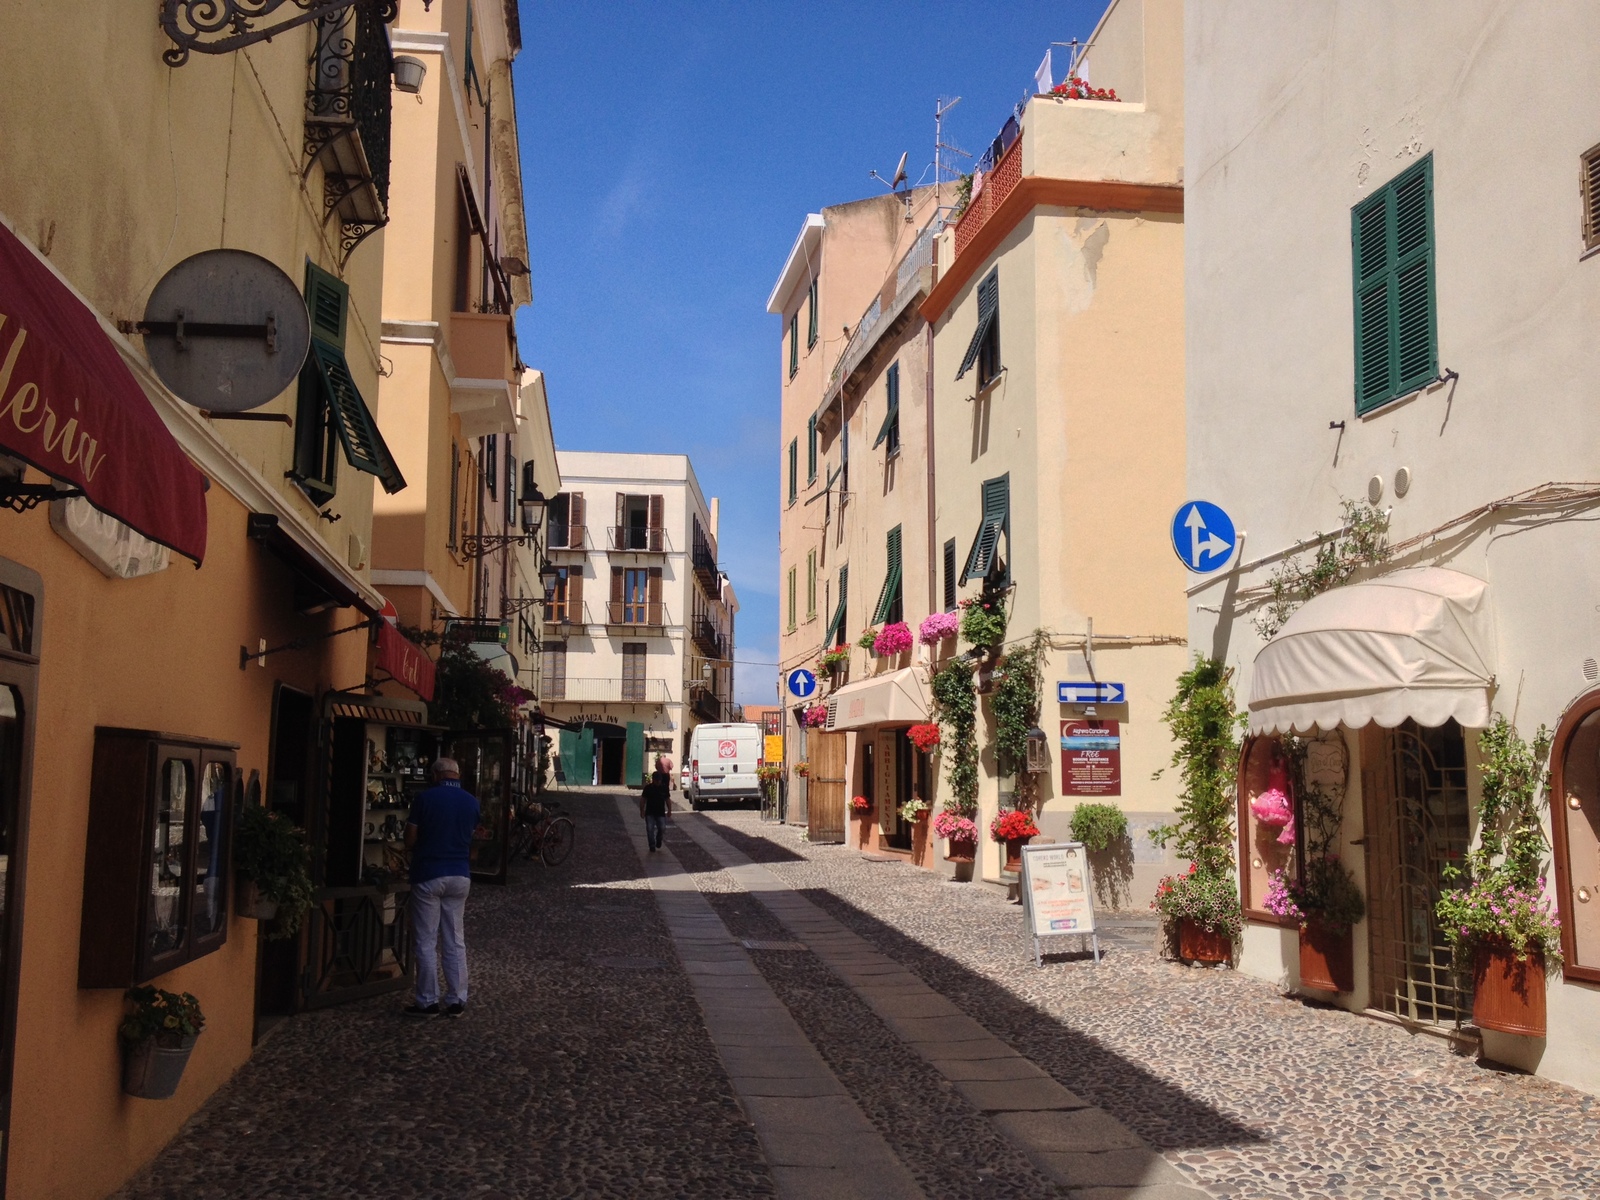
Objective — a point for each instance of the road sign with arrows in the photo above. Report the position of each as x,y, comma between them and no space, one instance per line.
1203,535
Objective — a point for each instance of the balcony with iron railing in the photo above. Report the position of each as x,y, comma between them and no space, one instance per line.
704,559
640,539
561,615
606,691
563,535
636,614
706,705
708,637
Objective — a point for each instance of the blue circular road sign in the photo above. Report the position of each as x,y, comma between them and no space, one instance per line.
802,682
1203,535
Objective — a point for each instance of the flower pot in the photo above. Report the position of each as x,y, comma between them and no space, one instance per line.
251,903
1508,993
1327,957
1014,855
151,1071
962,850
1196,943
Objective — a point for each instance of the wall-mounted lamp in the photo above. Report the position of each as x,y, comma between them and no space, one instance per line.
1038,751
409,73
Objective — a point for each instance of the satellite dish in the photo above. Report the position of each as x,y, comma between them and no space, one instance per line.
900,171
226,330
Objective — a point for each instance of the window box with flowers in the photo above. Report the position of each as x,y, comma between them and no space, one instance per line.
868,638
924,737
894,638
158,1034
814,717
938,627
983,619
1073,88
833,663
1013,828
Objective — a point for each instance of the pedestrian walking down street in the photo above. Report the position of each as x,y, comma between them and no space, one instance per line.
439,833
654,804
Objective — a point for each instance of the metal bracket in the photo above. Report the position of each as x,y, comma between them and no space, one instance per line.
182,329
477,545
20,497
223,26
300,643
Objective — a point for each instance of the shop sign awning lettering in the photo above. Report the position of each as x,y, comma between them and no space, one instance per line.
405,660
70,407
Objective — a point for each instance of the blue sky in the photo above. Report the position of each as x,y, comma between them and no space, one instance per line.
669,154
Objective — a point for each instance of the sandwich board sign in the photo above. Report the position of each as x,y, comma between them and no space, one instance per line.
1057,895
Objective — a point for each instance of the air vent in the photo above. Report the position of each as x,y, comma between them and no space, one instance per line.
1402,481
1591,670
1375,489
833,708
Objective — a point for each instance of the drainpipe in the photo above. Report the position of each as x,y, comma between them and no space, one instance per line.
934,599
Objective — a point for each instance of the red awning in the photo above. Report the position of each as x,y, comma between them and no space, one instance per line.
70,407
404,659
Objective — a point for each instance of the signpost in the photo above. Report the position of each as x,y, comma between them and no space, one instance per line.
1057,895
801,683
1203,536
1091,758
1091,692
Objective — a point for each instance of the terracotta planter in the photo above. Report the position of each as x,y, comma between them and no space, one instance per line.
1508,995
1327,957
1014,855
1196,943
251,904
864,822
152,1071
961,850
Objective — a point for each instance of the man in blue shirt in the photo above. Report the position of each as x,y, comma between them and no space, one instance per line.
439,834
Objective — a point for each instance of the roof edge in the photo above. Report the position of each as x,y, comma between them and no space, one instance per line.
810,231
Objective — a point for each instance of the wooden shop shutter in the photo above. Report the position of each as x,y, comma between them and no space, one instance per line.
1396,321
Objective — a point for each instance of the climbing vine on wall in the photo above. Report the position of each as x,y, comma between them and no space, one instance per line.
1362,542
957,701
1205,729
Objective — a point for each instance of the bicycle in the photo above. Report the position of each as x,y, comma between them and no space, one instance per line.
541,828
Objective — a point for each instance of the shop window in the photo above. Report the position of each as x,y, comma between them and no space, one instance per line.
1575,824
1264,770
156,876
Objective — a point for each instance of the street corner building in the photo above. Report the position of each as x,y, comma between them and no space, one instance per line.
195,334
1374,349
1002,423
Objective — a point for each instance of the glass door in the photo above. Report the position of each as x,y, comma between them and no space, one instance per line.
485,760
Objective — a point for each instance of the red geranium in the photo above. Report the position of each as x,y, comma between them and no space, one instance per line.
860,803
923,737
1011,825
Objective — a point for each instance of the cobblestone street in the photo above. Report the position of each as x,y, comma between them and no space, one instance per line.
749,1015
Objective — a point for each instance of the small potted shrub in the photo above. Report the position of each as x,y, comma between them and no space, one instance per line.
273,867
1099,826
157,1035
893,639
868,639
862,810
802,769
983,619
1013,827
832,662
938,627
959,830
1205,906
1327,904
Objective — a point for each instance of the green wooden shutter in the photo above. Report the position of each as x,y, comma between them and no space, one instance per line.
794,344
364,446
889,431
794,470
811,316
988,313
328,302
890,595
836,634
1396,311
633,754
996,521
811,449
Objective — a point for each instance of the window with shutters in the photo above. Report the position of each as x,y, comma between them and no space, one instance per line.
633,670
794,344
553,677
889,431
984,560
491,463
889,603
564,521
793,606
1396,325
639,524
983,351
1589,185
451,539
511,489
794,470
811,316
837,634
635,596
330,414
811,585
950,575
811,450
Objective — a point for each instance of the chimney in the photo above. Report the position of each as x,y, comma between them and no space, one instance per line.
716,507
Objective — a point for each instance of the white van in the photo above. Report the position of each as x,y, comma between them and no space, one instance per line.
722,765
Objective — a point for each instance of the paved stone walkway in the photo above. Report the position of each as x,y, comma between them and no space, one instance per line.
658,1025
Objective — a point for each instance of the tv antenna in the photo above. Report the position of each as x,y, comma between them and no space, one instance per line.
940,146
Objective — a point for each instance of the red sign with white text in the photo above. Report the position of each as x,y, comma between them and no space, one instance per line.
1091,758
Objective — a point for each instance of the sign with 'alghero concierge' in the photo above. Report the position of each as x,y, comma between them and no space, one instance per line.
1091,758
70,407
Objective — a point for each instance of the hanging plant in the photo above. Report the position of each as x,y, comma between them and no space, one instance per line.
894,638
469,693
923,737
830,661
814,717
868,638
1205,727
1362,542
957,703
936,627
1099,826
983,618
802,769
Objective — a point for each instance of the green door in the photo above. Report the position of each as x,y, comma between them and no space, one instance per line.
633,758
577,757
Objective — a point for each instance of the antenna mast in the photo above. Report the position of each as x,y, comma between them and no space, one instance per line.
940,107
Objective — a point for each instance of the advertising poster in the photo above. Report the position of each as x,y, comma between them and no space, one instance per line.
1056,890
1091,758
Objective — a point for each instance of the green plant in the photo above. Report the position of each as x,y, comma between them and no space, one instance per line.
1362,542
468,693
957,702
1015,703
271,852
868,637
1501,898
963,195
1205,725
1099,826
913,809
983,618
831,660
169,1017
1210,900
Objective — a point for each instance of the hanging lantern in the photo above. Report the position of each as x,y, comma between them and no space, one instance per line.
1038,751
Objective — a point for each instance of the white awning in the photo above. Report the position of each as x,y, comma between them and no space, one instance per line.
895,698
1418,643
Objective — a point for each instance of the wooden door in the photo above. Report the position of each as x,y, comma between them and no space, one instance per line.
825,790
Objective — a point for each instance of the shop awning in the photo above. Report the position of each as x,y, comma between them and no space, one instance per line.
70,407
406,661
896,698
1418,643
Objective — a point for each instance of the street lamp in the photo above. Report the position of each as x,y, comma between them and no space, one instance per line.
532,508
549,576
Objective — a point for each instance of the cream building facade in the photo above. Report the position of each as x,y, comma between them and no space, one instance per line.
1057,319
1461,411
638,637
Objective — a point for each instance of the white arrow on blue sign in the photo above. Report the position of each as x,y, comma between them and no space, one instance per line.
1203,535
1091,692
802,682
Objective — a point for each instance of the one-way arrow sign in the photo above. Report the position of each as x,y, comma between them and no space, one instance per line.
1090,692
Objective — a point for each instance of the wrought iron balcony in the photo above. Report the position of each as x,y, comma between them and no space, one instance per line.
560,616
705,566
708,637
706,706
605,691
641,539
347,118
635,613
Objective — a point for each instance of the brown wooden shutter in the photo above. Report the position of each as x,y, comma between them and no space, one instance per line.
653,596
616,596
575,595
657,511
575,515
619,538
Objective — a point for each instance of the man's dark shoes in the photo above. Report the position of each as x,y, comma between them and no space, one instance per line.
419,1012
455,1010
